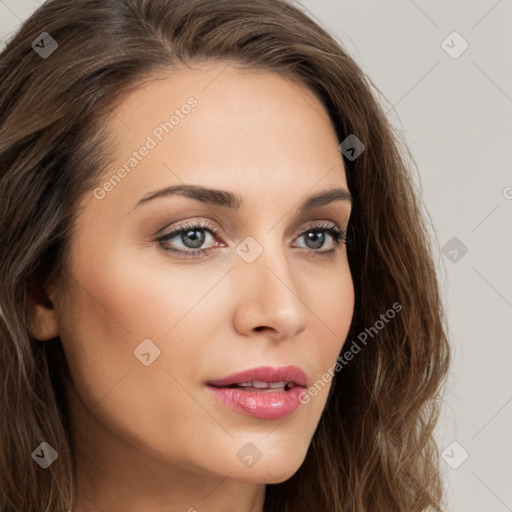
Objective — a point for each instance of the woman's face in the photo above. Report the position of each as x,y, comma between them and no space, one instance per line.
145,329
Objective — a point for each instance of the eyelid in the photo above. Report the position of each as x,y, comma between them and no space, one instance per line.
202,224
325,224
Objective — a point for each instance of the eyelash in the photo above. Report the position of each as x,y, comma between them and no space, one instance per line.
339,236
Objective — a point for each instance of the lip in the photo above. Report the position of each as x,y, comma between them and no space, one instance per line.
265,374
258,404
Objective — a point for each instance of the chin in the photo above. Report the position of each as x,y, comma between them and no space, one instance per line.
276,465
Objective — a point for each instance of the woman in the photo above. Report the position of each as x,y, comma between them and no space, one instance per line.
218,291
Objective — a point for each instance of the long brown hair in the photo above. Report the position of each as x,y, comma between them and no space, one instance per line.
374,448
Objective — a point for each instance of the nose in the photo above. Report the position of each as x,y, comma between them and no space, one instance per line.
271,296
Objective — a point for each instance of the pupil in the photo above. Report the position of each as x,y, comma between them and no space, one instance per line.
197,241
317,237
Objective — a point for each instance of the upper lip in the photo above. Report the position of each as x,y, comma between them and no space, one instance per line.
265,374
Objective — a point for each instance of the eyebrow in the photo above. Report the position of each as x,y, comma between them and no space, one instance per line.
233,201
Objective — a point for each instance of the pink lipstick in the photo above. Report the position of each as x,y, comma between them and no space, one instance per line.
264,392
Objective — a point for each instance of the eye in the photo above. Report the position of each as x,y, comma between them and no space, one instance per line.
314,241
193,235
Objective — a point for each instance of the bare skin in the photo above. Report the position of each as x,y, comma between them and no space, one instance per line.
149,437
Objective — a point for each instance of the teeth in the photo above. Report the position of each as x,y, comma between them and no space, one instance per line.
281,384
259,384
262,385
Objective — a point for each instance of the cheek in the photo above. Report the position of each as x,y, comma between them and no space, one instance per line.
334,309
331,317
118,310
118,302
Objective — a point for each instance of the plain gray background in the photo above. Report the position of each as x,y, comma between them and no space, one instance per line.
454,109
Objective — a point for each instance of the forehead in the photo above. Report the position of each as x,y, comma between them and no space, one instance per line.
224,127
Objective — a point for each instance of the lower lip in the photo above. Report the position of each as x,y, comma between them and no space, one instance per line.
263,405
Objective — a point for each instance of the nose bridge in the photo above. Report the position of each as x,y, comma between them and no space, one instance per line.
270,289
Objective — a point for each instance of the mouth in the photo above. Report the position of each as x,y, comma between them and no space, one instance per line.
264,392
